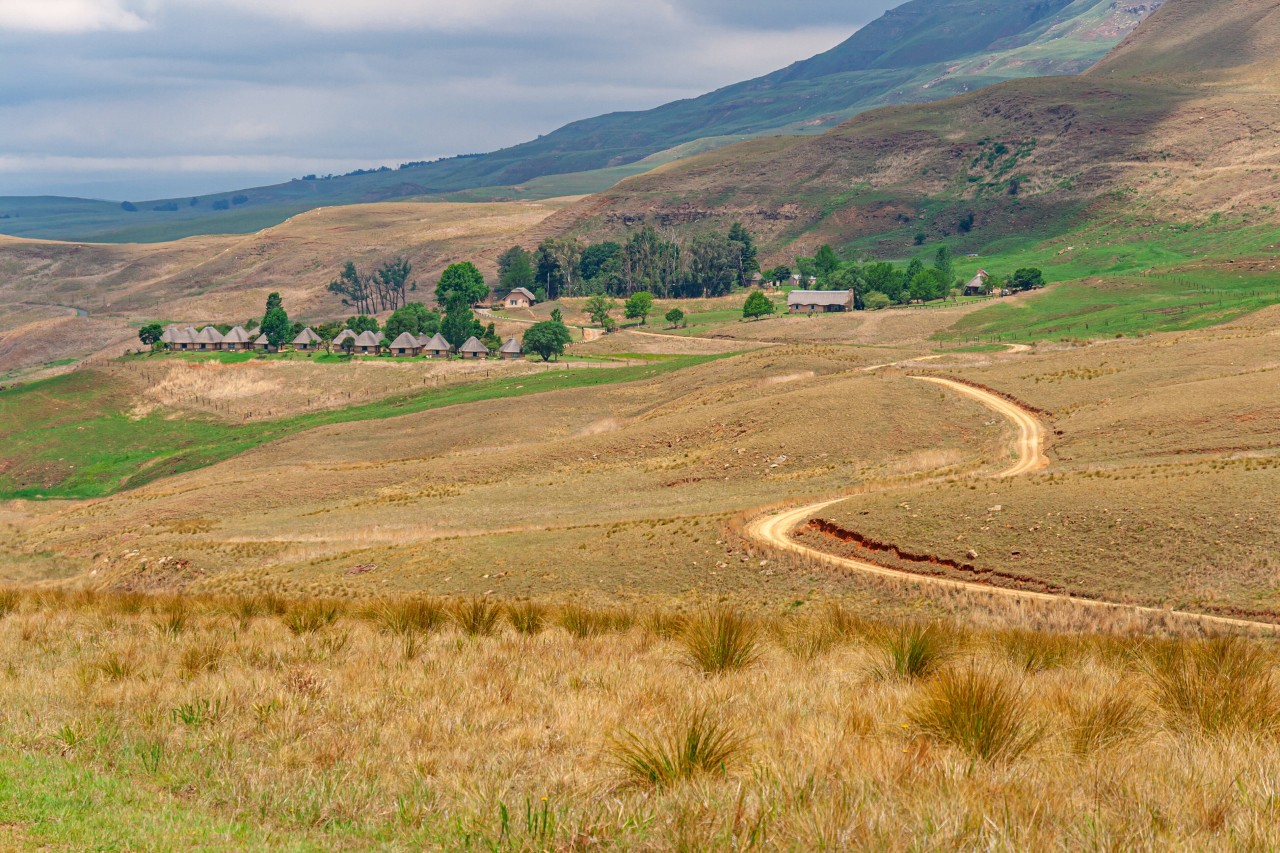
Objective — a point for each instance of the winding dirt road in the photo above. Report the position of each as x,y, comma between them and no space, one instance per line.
1027,449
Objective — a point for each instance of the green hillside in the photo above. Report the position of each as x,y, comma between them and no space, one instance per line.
924,50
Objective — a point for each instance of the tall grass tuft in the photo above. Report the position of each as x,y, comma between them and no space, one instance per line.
476,617
720,641
1034,651
311,617
1215,686
1104,721
977,711
527,618
807,639
583,622
697,743
9,601
409,616
915,650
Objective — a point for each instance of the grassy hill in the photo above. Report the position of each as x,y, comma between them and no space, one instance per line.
924,50
1020,161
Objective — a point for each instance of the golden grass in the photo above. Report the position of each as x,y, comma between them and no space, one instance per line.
511,738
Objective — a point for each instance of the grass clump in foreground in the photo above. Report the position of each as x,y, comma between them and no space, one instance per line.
401,725
721,641
73,436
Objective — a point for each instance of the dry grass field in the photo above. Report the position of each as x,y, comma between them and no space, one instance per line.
254,723
1161,490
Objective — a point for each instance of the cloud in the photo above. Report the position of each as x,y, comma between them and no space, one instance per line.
68,16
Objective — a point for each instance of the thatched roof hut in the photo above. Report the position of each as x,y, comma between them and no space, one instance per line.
511,349
473,348
405,345
437,347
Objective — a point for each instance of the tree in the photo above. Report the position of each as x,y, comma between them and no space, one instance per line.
462,278
393,283
150,334
825,263
275,322
354,288
327,332
414,318
598,308
942,263
595,257
780,274
639,305
458,323
713,265
883,277
567,254
1027,278
363,323
675,317
748,265
929,284
757,305
557,316
547,339
876,301
515,269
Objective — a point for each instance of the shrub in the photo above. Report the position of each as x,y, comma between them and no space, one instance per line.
695,744
915,650
976,711
477,617
720,641
1219,685
876,301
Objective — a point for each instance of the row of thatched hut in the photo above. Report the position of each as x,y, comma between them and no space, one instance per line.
407,345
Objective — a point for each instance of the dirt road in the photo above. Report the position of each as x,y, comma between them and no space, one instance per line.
1027,449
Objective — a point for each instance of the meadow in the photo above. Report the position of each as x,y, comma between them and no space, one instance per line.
134,722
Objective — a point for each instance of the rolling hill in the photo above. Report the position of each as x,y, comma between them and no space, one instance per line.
1177,125
924,50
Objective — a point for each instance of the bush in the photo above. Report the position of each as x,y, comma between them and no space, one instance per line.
978,712
696,744
311,617
410,616
477,617
527,617
1104,721
876,301
721,640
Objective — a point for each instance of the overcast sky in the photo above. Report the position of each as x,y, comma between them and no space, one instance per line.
137,99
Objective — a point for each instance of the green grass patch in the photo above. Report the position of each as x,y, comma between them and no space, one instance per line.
1118,306
72,436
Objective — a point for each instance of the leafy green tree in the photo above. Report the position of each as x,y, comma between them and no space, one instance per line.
275,323
780,274
929,284
595,257
363,323
459,322
748,264
876,301
557,316
327,332
462,278
914,268
713,265
547,339
885,278
920,238
942,262
490,337
1027,278
251,324
825,262
515,269
150,334
598,309
675,317
757,305
639,306
414,318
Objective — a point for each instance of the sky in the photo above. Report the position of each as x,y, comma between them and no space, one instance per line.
145,99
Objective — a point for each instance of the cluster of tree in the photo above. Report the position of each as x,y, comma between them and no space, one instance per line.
879,284
548,338
665,266
385,289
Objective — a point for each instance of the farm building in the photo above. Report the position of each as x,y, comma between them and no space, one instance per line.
208,340
511,349
521,297
307,341
437,347
756,280
263,344
978,285
406,346
819,301
342,337
237,340
473,349
368,343
181,340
